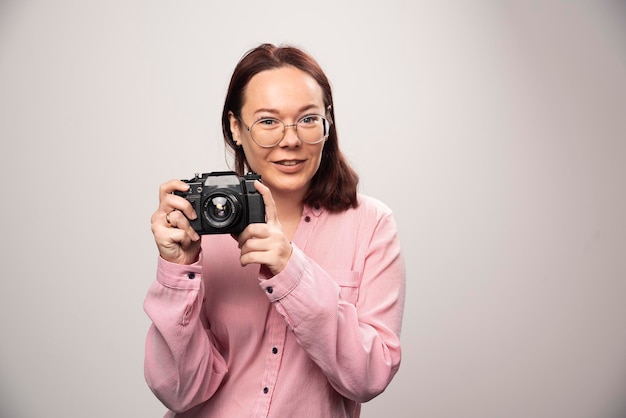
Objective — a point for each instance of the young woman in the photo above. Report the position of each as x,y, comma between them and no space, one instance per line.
299,316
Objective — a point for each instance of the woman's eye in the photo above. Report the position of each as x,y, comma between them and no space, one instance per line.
267,123
309,120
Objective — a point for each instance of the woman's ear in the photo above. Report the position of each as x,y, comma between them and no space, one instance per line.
234,128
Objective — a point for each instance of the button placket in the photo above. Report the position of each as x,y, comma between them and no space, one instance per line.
306,226
277,333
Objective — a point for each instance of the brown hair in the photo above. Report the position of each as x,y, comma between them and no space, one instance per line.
334,186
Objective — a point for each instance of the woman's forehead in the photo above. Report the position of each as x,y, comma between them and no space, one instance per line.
283,88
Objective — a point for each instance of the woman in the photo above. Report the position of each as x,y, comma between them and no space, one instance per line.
299,316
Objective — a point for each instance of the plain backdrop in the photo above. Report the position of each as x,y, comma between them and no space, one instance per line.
495,130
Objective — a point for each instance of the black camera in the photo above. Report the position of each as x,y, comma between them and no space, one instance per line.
224,202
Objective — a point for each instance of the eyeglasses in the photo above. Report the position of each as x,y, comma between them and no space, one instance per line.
268,132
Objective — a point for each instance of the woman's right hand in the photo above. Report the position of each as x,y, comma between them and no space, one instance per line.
175,238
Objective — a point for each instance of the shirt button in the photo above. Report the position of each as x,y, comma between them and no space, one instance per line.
270,290
307,218
274,350
266,389
191,275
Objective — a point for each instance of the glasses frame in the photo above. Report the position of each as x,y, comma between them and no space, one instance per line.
326,122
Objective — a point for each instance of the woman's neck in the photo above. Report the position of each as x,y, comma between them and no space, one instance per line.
289,209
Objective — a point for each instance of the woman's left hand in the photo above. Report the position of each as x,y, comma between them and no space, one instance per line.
265,243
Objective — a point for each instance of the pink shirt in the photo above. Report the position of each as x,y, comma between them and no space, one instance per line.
315,341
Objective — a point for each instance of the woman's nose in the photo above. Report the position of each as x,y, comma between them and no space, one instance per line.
290,137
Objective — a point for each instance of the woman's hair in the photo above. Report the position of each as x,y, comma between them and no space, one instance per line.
334,186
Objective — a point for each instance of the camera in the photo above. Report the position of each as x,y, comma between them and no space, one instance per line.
224,202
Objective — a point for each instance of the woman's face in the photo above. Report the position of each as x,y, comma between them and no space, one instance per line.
287,94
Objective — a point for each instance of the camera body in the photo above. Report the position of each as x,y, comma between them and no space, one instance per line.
224,202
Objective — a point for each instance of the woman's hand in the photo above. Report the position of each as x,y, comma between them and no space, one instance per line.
175,238
265,243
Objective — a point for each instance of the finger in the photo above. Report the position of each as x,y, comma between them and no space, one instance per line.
169,201
273,255
176,245
253,230
268,200
176,220
175,236
174,202
171,186
168,236
254,257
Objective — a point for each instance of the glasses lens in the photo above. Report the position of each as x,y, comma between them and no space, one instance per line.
312,129
267,132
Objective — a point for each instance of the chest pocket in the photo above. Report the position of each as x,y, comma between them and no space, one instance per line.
348,282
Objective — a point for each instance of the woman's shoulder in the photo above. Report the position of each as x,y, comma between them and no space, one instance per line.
370,204
368,209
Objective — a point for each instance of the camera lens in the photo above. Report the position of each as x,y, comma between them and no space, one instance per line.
221,210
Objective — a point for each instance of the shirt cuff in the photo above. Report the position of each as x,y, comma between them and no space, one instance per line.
180,276
280,285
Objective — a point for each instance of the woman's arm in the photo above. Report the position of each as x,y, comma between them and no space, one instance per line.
182,364
357,346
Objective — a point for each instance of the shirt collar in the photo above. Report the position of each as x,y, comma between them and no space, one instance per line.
312,210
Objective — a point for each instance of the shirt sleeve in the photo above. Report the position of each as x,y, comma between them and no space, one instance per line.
182,365
357,346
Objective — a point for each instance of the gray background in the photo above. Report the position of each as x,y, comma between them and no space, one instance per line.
495,130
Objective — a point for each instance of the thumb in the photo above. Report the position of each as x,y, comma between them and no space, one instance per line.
268,200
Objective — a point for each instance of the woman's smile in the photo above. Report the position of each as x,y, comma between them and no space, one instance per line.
288,162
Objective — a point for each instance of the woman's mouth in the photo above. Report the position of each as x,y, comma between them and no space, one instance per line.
288,163
289,166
